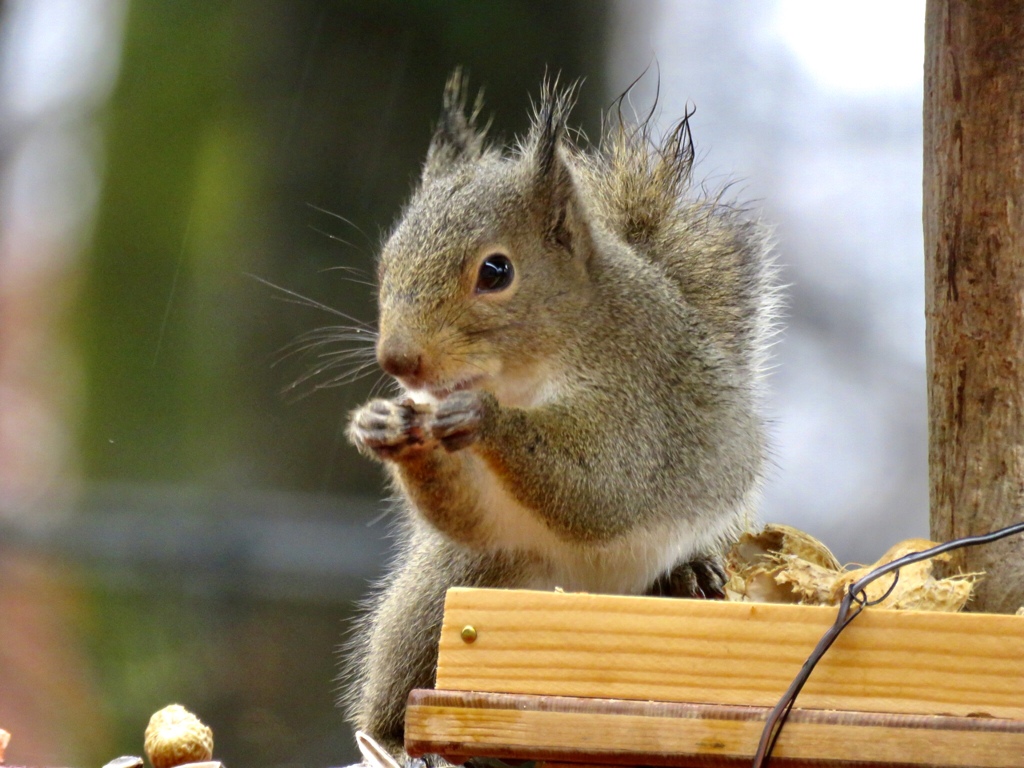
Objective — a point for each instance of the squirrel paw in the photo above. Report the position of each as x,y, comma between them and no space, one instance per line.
386,428
702,577
457,420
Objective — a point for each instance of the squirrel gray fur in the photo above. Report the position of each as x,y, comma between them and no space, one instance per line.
581,340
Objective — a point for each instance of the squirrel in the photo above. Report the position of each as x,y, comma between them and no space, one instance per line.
581,339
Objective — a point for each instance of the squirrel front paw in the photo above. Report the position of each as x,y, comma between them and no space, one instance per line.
457,419
387,428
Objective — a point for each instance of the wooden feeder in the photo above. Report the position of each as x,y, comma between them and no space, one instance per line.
609,680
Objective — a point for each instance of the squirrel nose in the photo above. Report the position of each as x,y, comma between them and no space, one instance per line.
399,360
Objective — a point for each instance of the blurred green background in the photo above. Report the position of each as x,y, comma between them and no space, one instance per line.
198,531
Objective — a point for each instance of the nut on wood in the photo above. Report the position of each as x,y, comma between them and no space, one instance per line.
782,564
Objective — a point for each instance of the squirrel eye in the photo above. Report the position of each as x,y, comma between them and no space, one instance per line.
496,273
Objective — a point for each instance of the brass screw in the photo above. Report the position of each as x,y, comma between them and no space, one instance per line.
469,633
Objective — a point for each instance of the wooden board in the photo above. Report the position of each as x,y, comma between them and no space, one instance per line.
611,732
597,646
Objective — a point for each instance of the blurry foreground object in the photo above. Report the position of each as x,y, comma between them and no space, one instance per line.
176,737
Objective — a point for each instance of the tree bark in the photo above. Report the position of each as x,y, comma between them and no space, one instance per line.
974,272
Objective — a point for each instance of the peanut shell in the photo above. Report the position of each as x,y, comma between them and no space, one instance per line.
175,736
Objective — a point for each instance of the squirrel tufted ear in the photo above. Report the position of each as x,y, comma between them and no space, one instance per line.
456,138
547,152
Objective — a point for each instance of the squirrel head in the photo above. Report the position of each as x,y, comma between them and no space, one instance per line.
487,269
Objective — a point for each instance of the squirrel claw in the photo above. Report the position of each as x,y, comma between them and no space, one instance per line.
457,420
702,577
386,428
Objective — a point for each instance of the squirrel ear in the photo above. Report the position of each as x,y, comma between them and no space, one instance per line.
456,138
554,188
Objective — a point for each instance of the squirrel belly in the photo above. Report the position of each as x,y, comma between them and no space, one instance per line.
628,564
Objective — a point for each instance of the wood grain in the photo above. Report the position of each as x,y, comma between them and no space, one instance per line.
744,654
974,283
610,732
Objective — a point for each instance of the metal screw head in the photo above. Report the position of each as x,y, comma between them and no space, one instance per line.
469,633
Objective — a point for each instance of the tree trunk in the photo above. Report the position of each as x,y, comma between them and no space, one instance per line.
974,272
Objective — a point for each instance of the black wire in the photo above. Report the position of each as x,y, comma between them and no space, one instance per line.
862,598
777,717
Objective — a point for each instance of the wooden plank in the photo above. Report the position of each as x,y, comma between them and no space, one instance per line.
611,732
974,275
714,652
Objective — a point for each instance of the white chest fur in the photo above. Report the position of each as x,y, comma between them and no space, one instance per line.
628,565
